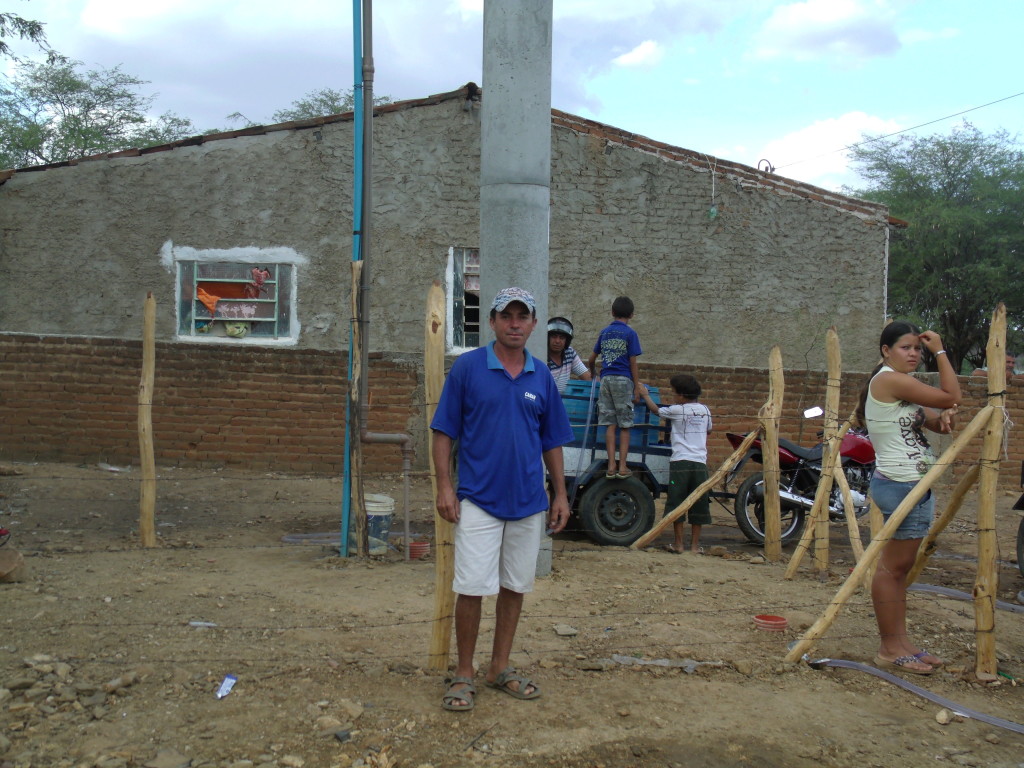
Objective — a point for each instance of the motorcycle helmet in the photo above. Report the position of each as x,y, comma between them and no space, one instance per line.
561,325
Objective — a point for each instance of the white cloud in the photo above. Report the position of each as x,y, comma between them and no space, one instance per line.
607,10
647,54
131,18
815,154
120,18
841,30
914,36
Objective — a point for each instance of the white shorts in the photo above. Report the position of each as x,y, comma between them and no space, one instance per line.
490,552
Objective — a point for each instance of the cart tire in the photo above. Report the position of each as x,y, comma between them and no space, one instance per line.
1020,547
749,508
617,511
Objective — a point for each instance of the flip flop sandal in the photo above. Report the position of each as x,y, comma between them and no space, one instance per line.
673,550
920,657
451,697
509,676
623,475
900,663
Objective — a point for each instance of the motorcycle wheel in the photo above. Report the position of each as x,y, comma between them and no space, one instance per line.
749,508
1020,547
617,512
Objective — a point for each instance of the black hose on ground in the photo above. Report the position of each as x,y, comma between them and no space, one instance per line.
952,706
956,594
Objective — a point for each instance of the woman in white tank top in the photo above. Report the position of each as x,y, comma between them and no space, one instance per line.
896,408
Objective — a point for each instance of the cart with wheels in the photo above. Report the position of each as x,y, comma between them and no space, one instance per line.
613,510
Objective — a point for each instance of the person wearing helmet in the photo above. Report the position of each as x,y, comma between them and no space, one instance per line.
562,359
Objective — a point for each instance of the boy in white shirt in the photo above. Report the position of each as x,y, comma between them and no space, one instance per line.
688,467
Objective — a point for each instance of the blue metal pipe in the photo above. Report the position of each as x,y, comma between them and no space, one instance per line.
357,255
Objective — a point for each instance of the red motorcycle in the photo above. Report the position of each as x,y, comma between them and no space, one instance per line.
799,473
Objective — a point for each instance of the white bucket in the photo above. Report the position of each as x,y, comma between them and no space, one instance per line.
379,510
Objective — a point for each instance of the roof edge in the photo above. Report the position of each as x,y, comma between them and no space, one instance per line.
747,177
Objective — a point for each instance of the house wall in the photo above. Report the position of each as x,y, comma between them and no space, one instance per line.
75,399
771,267
779,263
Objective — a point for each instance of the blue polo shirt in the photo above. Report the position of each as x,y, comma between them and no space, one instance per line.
502,425
616,344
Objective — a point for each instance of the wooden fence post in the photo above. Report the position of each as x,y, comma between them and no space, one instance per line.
147,488
444,564
830,454
358,504
986,582
770,457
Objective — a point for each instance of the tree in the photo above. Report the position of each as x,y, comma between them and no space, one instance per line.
52,112
963,196
12,25
323,101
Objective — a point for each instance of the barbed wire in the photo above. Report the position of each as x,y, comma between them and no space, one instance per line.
576,644
238,403
132,475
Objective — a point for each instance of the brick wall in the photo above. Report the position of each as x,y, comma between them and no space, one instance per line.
76,399
734,396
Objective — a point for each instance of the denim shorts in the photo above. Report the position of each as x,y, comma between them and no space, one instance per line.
888,494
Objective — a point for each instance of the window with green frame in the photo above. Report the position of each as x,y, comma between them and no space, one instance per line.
231,301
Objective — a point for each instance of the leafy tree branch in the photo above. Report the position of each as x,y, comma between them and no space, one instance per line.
55,111
963,195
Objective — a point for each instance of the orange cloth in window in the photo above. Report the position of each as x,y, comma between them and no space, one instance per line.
209,293
208,300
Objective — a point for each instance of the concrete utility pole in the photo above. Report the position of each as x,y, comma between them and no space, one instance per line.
515,156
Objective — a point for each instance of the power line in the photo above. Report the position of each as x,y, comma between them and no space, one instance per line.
897,133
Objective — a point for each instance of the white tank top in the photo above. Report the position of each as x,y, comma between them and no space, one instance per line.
896,430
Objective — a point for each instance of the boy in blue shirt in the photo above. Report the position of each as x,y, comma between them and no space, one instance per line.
618,347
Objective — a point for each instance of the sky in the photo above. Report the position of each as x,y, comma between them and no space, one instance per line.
790,83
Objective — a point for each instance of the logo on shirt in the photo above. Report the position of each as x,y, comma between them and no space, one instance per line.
612,349
529,395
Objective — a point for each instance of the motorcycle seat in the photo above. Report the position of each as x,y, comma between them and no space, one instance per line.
807,454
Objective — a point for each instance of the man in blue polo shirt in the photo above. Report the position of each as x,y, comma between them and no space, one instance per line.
502,406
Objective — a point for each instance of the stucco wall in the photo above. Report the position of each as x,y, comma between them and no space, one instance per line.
81,245
769,268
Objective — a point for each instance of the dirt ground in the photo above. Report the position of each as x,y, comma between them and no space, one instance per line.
111,655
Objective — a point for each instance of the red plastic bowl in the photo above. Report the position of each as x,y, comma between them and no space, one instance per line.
418,549
770,623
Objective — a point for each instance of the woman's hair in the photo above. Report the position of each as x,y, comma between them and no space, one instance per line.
890,335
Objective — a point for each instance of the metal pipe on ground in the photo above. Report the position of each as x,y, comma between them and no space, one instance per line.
393,438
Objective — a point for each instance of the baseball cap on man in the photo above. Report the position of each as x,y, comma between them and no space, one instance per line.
508,295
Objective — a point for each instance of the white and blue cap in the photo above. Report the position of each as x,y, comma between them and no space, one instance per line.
508,295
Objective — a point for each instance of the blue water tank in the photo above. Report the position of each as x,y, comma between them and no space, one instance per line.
576,398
